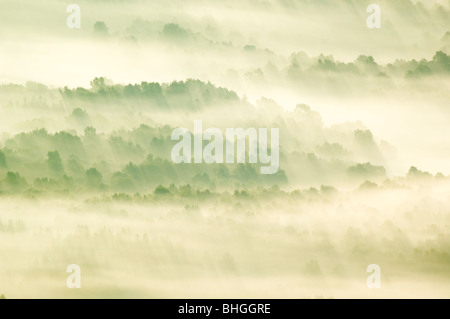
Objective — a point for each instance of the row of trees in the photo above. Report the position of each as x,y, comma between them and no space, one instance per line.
366,65
190,94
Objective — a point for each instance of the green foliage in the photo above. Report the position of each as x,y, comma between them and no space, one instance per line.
36,144
98,84
139,159
416,173
160,190
2,159
302,66
326,64
121,197
440,64
202,179
250,48
14,182
368,185
120,146
442,61
185,190
242,194
328,190
2,297
94,179
121,181
152,90
189,94
366,170
174,31
62,183
100,29
74,166
420,70
90,132
366,60
79,113
364,137
246,172
54,162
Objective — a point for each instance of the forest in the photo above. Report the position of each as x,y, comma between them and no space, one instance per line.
87,176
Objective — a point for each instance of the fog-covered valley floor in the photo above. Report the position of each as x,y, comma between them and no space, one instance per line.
87,175
267,244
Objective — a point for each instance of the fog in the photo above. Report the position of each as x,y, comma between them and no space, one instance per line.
293,245
87,178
